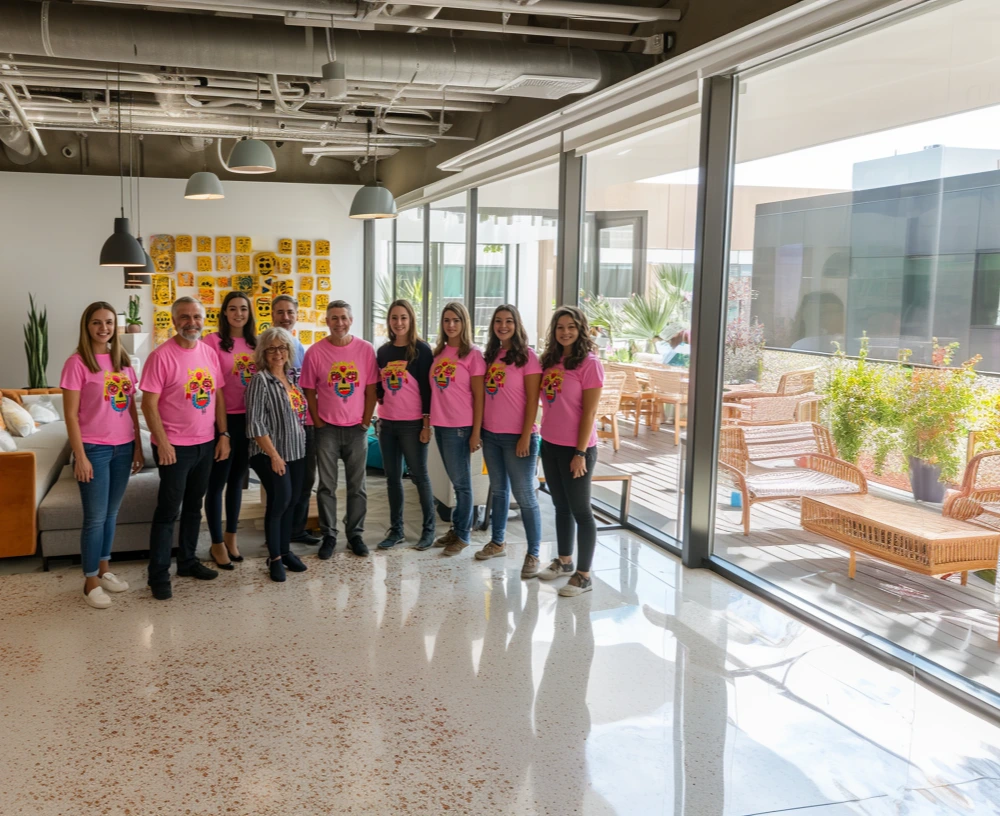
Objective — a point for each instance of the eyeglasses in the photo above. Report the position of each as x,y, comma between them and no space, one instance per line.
276,350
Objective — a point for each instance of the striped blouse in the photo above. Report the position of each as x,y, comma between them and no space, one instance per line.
272,411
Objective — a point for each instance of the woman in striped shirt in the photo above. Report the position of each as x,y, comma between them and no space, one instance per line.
276,412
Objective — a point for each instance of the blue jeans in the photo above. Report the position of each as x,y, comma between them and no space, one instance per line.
399,439
454,446
101,498
512,473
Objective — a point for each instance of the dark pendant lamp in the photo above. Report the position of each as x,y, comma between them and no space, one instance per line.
373,201
148,270
121,249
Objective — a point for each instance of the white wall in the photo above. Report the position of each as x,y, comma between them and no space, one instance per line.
52,228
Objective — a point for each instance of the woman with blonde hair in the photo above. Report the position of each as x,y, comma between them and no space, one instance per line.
457,415
404,419
99,387
276,413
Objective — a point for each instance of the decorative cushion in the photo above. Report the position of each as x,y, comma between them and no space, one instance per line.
55,401
798,483
16,418
7,443
42,410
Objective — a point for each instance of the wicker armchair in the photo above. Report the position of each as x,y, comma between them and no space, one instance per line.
816,474
667,388
771,410
608,407
800,383
978,498
635,398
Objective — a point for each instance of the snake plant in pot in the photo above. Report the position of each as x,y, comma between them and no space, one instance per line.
133,322
36,345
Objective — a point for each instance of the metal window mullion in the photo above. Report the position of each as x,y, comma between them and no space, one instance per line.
471,237
427,268
572,183
368,286
718,136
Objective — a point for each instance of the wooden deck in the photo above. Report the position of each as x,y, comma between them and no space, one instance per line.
941,620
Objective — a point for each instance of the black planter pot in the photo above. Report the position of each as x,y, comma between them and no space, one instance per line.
924,481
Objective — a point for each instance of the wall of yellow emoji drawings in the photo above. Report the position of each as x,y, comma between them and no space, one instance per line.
186,265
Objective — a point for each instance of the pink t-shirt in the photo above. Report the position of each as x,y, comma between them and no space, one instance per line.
237,367
402,393
339,375
187,381
562,400
105,399
451,387
505,397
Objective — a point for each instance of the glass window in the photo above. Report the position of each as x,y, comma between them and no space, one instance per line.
410,259
385,231
446,275
868,193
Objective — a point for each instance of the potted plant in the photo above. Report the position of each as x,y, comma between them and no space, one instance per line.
36,345
133,322
938,411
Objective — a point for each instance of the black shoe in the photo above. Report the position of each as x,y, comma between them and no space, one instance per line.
199,571
426,542
327,547
293,562
392,538
358,546
305,537
277,569
228,566
162,592
236,558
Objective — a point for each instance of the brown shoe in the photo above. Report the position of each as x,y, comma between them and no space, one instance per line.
446,539
531,567
491,550
456,546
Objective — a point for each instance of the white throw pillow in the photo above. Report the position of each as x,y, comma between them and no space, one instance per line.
17,420
7,443
53,401
43,412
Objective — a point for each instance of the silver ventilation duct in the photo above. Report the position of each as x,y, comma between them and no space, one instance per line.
229,44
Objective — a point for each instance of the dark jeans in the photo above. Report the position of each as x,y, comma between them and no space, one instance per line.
350,443
512,473
182,491
101,497
571,498
281,492
300,515
454,446
399,439
229,474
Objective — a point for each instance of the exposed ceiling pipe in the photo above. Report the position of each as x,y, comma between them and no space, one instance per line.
22,117
405,10
213,43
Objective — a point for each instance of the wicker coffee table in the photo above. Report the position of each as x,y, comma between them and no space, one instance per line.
901,534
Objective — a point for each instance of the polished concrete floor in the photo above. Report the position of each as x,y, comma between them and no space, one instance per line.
411,683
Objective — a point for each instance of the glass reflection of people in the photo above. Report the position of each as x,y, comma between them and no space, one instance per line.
677,350
819,322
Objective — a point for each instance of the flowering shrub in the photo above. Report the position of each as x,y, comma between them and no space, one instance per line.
744,350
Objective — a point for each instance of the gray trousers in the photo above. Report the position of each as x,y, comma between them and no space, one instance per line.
334,442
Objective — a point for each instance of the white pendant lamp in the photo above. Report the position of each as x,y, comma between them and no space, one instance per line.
204,186
251,156
373,201
334,73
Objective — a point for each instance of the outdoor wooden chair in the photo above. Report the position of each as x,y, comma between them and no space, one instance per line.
977,500
634,396
609,406
815,474
800,383
668,388
772,410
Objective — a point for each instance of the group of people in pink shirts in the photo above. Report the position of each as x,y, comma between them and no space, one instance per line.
218,405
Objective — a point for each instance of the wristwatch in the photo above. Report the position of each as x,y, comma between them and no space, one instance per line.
581,453
225,434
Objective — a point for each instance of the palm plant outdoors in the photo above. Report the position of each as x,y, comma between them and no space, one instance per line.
412,289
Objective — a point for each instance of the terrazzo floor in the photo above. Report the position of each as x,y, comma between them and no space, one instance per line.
410,683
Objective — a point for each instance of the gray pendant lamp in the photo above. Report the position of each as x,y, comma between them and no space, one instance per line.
121,249
373,201
204,186
334,73
251,156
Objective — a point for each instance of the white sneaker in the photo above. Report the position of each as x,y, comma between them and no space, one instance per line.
557,569
112,583
97,598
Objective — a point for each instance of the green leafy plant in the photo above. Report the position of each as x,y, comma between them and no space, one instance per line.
412,289
603,314
675,284
648,318
939,408
36,345
133,318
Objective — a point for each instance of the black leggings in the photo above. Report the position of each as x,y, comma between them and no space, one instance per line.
571,498
281,494
228,474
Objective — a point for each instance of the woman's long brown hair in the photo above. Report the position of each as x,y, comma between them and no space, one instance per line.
85,348
465,340
411,336
517,354
583,346
249,330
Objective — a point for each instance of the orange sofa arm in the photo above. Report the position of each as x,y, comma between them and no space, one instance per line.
17,504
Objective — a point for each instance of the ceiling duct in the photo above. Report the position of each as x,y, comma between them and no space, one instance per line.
142,37
18,145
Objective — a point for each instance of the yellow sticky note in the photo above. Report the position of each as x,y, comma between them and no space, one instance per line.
305,337
283,286
242,263
185,279
222,282
306,282
323,283
284,246
206,296
303,247
204,263
284,266
262,307
161,319
322,301
303,315
183,243
223,244
212,317
204,243
206,282
223,263
305,299
323,266
322,247
242,283
164,290
244,244
320,335
304,264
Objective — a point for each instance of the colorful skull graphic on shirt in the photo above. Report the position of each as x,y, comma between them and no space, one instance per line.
244,365
343,379
394,375
495,376
298,403
444,372
199,388
552,384
118,390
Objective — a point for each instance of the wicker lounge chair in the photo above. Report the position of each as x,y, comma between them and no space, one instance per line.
978,498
